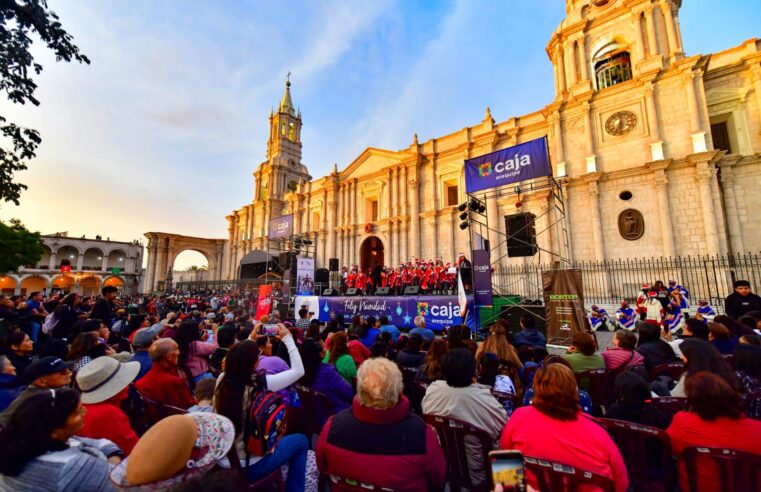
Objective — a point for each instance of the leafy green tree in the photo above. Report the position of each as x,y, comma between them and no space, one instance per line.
18,246
20,18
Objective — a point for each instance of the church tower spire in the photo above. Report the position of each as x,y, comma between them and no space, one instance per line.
286,105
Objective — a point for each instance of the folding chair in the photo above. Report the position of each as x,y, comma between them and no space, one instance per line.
673,370
558,477
508,401
156,411
647,454
452,434
738,470
593,381
316,408
670,405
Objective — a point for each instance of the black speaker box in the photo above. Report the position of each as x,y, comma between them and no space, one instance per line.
352,292
513,315
322,276
521,234
412,290
333,264
382,291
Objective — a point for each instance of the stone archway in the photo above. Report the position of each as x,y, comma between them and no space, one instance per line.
371,252
163,248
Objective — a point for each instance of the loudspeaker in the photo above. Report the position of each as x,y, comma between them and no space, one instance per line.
521,234
382,291
333,264
412,290
330,292
513,313
322,276
352,292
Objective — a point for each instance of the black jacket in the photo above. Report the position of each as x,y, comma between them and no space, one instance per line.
104,311
656,353
736,305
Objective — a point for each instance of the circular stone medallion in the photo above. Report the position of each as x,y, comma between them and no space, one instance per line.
631,224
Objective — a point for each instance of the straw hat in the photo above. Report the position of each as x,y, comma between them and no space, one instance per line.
176,449
104,378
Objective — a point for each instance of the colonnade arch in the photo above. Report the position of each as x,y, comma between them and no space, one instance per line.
163,249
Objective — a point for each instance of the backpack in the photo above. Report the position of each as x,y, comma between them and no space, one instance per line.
49,324
264,422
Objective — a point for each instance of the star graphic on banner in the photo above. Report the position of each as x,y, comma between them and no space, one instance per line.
407,320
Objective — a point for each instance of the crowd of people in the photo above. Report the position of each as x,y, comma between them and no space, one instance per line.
431,277
190,392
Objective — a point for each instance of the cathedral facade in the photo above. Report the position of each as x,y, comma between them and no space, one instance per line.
658,153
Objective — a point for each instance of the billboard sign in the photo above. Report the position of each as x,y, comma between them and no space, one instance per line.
281,227
512,165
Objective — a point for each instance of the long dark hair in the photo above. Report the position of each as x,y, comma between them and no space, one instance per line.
747,358
26,432
632,390
185,336
648,332
239,367
310,357
702,356
338,346
82,345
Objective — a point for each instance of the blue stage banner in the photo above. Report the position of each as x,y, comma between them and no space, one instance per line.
482,278
439,311
280,227
519,163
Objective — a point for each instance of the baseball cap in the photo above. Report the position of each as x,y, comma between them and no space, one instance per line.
43,367
144,337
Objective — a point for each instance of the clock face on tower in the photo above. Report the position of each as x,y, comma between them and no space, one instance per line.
621,123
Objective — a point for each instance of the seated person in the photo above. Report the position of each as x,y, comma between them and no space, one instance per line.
421,330
411,356
48,372
204,394
585,401
323,377
163,382
718,336
554,428
650,345
633,402
714,419
10,386
529,336
363,442
622,354
386,326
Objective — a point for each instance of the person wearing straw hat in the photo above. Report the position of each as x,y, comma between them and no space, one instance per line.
104,383
175,450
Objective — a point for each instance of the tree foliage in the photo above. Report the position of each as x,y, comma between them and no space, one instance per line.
18,246
20,19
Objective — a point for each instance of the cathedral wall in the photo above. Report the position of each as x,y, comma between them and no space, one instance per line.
747,178
686,212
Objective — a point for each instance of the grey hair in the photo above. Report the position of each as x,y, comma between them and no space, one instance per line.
420,321
161,348
379,383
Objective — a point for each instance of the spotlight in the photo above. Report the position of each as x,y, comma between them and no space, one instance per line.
463,215
481,208
462,206
464,225
473,205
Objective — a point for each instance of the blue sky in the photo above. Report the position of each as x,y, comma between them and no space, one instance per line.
163,130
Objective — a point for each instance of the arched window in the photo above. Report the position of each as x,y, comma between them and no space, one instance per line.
613,69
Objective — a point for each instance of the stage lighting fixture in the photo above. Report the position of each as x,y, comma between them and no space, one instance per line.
462,206
464,225
481,208
463,215
473,204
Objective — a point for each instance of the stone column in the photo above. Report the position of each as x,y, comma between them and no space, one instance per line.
395,192
735,229
570,65
664,213
331,220
560,62
595,220
756,75
252,225
404,189
391,257
160,271
414,238
640,40
52,264
589,138
656,144
148,280
558,143
652,41
693,104
80,261
583,58
492,215
668,17
104,263
705,174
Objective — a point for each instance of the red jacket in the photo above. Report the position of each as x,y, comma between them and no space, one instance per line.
106,420
390,448
358,352
165,386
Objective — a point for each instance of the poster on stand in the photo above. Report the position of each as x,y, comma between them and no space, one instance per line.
482,278
564,302
304,276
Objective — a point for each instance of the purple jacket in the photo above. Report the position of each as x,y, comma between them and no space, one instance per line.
329,382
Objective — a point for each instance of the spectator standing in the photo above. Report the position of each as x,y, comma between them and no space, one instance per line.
302,324
103,309
19,347
568,436
38,450
104,383
65,316
194,352
363,442
714,419
163,383
742,300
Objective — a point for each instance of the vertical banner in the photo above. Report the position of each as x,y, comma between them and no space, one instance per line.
281,227
264,306
304,276
564,302
482,278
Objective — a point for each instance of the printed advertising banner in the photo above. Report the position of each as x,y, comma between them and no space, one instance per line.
281,227
311,303
439,311
564,301
520,163
264,305
482,278
304,276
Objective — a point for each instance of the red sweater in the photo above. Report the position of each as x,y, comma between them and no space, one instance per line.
581,443
688,430
166,386
106,420
390,448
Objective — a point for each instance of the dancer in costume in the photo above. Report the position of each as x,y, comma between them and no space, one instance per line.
626,316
